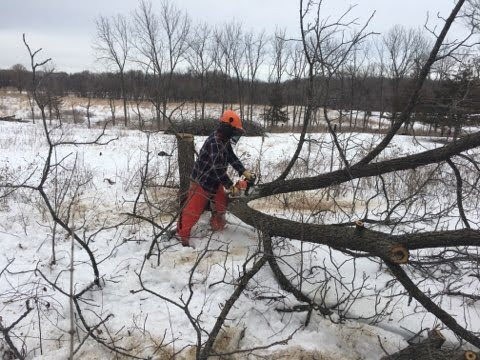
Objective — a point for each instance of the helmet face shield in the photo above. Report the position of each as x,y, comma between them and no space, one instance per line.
236,135
235,139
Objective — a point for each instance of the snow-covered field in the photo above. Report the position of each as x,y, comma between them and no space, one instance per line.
142,304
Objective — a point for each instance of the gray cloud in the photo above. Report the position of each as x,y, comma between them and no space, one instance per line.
66,29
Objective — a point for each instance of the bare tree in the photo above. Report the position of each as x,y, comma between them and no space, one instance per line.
21,76
176,27
296,72
255,52
358,70
281,52
326,47
149,44
381,75
138,85
232,58
405,49
113,45
201,60
221,65
471,15
162,43
57,185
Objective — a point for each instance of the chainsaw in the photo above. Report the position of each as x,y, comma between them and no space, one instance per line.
243,186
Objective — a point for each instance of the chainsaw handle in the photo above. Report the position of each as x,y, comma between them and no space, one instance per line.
242,187
250,183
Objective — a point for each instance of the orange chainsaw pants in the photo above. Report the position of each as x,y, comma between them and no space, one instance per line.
195,205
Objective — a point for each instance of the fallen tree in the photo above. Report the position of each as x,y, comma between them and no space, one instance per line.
12,118
354,238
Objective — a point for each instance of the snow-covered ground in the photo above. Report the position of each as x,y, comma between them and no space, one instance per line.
137,296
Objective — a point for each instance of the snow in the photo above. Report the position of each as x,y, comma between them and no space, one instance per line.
142,320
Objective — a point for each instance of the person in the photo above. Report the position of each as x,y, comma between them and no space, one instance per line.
209,177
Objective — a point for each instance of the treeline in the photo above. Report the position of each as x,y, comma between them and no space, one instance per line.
370,94
138,85
175,60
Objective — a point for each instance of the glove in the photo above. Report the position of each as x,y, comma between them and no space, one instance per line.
248,175
234,191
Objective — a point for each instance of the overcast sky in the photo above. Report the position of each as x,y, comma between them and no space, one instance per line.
65,29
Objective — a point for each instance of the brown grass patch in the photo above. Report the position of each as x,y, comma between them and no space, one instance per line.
228,341
13,94
165,197
299,353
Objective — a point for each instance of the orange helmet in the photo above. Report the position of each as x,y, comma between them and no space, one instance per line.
231,117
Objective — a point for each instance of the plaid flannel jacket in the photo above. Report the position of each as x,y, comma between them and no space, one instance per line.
210,169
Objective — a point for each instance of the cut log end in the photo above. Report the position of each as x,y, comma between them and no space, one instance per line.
184,136
399,254
470,355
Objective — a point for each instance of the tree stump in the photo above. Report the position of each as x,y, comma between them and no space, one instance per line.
426,349
186,159
430,349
